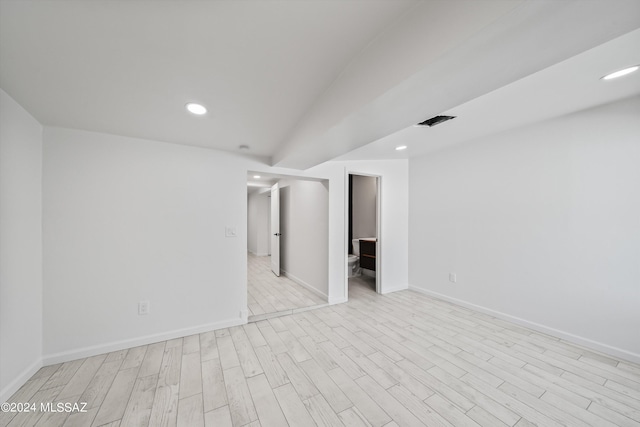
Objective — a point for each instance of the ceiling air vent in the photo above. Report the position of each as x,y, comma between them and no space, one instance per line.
435,120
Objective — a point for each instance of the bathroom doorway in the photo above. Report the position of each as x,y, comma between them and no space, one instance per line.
363,234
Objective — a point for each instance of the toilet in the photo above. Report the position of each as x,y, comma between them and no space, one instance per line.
352,259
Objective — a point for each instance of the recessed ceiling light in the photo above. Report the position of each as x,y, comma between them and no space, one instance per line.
401,147
196,109
621,73
256,176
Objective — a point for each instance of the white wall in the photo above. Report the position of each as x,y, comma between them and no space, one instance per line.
304,224
20,246
540,223
258,208
127,220
394,218
364,206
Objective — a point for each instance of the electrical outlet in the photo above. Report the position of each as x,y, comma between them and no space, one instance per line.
143,308
452,277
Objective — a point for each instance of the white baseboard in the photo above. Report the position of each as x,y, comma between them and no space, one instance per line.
396,289
20,380
576,339
80,353
304,284
259,254
339,300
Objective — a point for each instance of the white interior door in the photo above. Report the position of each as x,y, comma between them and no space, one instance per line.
275,229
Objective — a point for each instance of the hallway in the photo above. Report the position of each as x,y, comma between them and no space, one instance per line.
272,296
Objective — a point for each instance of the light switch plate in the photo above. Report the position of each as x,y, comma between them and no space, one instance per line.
230,231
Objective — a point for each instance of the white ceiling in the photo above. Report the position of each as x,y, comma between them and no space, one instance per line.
569,86
265,181
261,184
129,67
300,82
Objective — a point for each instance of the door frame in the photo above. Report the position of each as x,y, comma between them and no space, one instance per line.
379,237
265,174
274,223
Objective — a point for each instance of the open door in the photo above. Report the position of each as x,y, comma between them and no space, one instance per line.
363,214
275,229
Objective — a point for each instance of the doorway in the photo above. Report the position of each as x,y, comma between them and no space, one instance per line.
363,233
287,244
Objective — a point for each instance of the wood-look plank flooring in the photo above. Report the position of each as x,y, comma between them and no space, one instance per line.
402,359
270,296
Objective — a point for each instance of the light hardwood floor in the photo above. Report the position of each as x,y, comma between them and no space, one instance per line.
402,359
270,296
